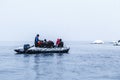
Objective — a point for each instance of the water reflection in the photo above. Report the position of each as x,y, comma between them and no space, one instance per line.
47,66
40,61
46,54
37,66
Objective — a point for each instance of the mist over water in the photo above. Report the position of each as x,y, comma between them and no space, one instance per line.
85,61
66,19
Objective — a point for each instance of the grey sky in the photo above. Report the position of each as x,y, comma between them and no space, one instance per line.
68,19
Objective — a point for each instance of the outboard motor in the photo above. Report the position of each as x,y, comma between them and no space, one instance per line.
26,47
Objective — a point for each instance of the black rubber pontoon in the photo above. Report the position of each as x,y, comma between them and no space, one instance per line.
34,50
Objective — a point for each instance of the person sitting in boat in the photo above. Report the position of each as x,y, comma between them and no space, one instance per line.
37,40
60,44
45,43
40,43
118,41
50,44
57,42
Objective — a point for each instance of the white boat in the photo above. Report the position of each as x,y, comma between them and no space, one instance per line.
98,42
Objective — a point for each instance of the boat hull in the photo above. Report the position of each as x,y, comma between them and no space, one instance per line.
35,50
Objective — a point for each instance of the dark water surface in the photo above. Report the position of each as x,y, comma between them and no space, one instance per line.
84,62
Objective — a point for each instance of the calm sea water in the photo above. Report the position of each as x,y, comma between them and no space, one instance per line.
85,61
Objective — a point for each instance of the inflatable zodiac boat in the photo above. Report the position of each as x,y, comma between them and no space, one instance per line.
34,50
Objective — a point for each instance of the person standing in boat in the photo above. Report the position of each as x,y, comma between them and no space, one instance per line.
37,40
